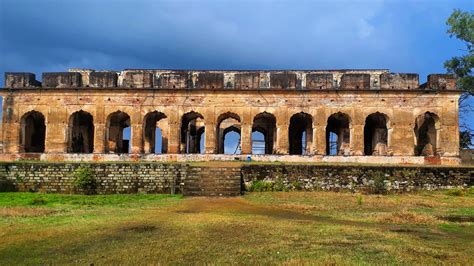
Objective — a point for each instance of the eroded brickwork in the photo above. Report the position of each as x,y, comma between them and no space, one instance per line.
341,115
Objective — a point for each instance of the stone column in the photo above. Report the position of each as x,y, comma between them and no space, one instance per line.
282,139
99,138
174,135
309,141
402,140
11,136
137,138
210,138
56,138
357,140
319,140
246,138
164,126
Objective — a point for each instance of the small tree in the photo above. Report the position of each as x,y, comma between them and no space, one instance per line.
84,180
461,26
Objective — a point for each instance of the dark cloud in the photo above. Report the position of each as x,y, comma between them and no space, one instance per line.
52,35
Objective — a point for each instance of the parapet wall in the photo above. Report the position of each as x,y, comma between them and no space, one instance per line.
182,177
241,80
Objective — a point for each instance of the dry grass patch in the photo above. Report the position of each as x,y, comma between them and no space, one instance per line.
25,212
407,217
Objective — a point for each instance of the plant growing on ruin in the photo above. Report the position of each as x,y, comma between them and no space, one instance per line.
260,186
84,180
379,186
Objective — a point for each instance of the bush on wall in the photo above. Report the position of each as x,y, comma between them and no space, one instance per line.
84,180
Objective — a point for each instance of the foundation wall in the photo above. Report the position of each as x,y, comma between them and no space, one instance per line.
203,180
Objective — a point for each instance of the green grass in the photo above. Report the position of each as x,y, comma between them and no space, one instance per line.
258,228
51,200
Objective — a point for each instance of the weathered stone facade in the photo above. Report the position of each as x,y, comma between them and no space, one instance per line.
333,116
196,180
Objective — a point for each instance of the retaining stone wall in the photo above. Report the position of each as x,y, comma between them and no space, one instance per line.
359,178
111,177
174,177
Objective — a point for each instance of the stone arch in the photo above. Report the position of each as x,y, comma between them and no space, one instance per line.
226,123
376,134
154,122
32,132
192,131
300,133
338,134
265,123
116,123
427,132
81,132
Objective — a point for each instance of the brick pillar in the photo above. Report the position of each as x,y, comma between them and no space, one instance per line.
319,140
282,146
56,131
210,138
402,140
309,141
174,136
99,137
357,140
246,138
137,138
99,129
11,126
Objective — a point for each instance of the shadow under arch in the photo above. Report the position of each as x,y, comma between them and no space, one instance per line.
81,132
32,132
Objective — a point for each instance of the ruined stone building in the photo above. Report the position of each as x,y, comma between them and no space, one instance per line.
370,116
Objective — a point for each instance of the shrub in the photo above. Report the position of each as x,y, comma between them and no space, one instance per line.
297,185
84,180
261,186
379,186
279,186
455,192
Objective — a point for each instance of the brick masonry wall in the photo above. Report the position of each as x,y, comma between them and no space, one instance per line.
360,178
185,178
111,177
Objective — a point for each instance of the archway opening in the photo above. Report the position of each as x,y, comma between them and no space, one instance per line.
118,133
264,123
375,134
232,141
33,132
426,133
158,149
192,133
258,142
339,125
300,134
155,133
228,134
81,133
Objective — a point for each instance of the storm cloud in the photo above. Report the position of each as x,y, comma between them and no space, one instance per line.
54,35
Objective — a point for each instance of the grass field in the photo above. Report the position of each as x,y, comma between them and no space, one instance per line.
269,227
